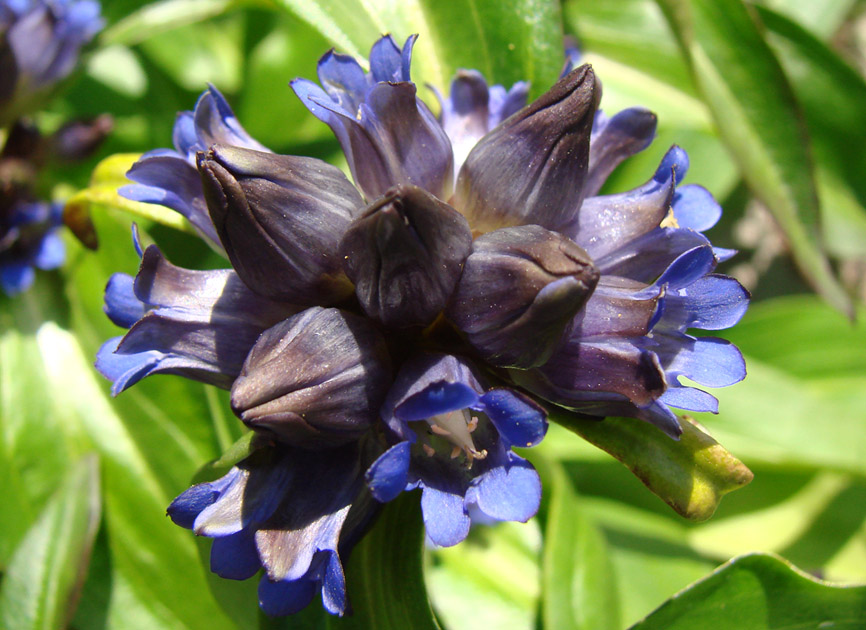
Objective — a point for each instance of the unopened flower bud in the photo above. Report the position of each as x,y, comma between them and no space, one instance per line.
531,168
405,255
520,289
316,379
280,219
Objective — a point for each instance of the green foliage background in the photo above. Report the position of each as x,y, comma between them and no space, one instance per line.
769,100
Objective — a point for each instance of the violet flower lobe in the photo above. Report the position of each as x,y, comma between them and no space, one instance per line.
396,334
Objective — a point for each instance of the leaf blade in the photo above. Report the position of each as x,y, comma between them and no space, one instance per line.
46,573
760,121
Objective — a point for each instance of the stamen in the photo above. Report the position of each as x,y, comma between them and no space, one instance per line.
428,450
454,426
670,221
435,428
473,424
455,452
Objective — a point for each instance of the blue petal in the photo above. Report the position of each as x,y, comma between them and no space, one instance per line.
690,398
386,60
51,252
235,557
186,507
504,103
519,421
508,493
688,268
184,137
388,475
723,254
436,398
676,160
708,361
445,519
16,276
334,586
316,100
696,208
278,599
121,305
713,302
343,79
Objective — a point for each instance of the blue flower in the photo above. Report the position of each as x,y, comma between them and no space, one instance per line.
453,440
29,238
473,258
270,512
39,45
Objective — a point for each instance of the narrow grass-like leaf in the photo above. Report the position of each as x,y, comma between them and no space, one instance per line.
46,573
385,576
158,17
691,474
760,592
833,96
760,121
578,582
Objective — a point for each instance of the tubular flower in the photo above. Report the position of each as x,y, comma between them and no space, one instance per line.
397,335
39,45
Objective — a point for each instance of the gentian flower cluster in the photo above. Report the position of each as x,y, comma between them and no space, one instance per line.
399,333
39,45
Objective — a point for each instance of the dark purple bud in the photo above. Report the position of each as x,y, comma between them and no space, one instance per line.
315,379
405,255
280,219
520,289
392,138
79,139
531,168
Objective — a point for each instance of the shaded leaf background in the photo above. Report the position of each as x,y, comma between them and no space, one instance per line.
604,552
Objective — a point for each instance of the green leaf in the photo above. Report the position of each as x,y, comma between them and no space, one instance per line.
760,592
45,576
578,580
490,580
507,40
385,573
759,119
822,17
158,17
833,96
806,371
691,474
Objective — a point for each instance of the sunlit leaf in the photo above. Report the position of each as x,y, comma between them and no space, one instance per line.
760,591
490,580
158,17
691,474
44,578
806,372
578,581
833,96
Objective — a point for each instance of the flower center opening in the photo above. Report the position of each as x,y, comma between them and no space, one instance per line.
456,427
